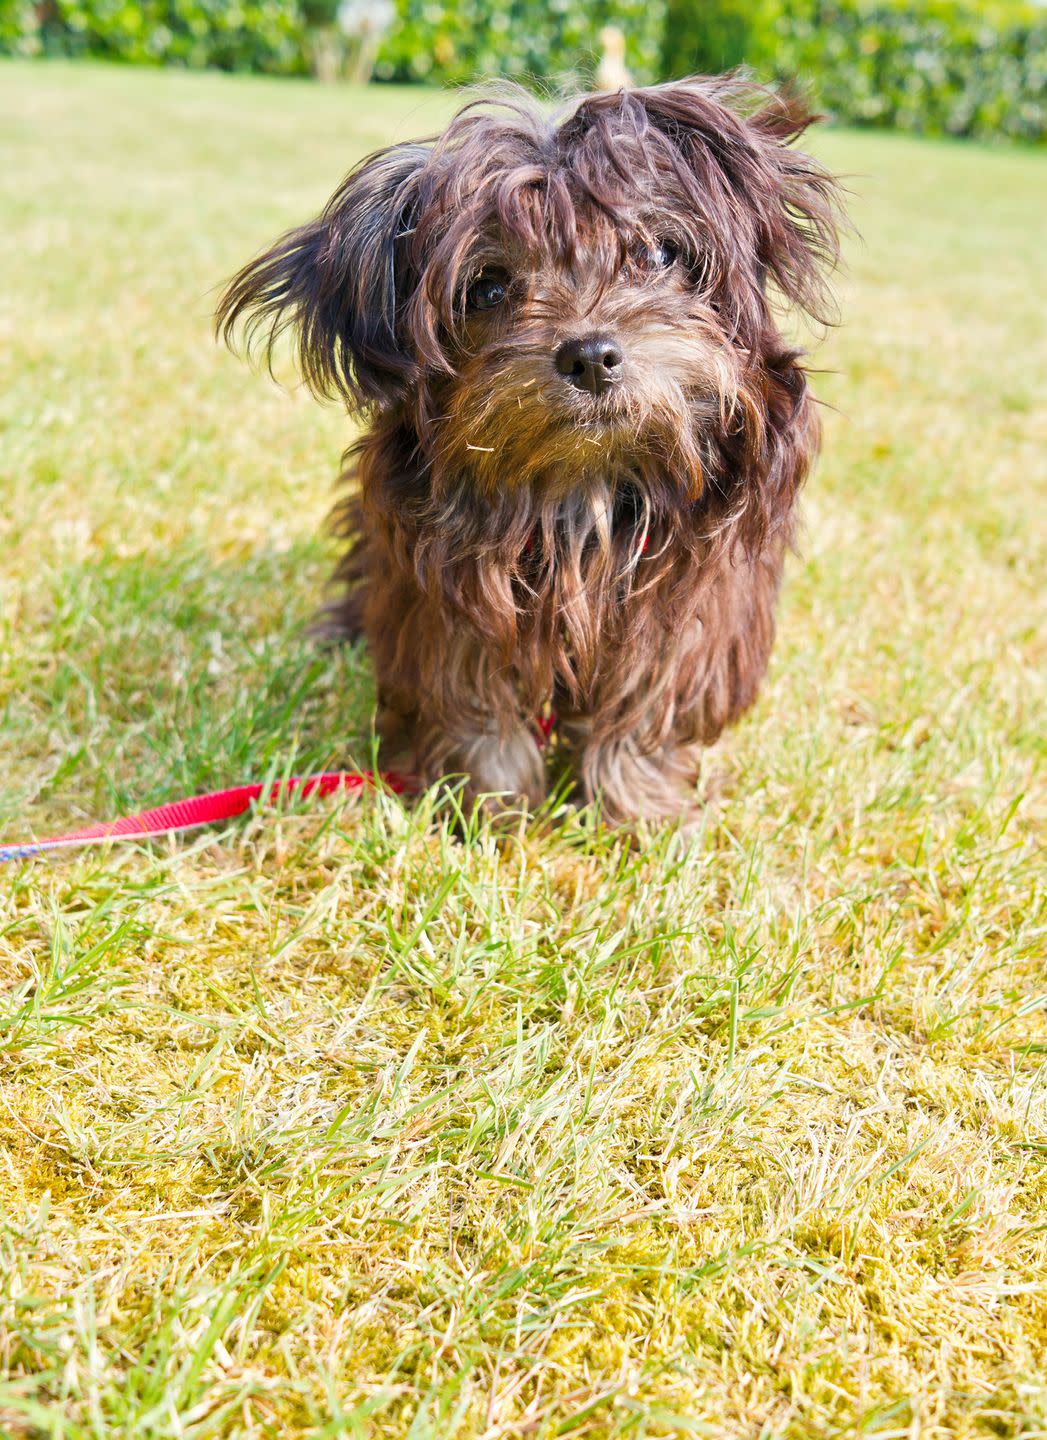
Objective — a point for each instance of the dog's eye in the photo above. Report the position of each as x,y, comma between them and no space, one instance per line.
657,256
487,290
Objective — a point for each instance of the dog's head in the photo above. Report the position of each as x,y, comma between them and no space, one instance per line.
544,300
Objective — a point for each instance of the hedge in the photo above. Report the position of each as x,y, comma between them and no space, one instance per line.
263,35
707,36
942,68
939,67
450,41
556,41
949,67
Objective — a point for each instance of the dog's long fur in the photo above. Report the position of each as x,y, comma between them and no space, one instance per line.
514,542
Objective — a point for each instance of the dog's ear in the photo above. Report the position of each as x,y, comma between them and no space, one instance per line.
340,284
731,148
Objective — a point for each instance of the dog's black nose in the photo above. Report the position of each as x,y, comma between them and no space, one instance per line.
593,364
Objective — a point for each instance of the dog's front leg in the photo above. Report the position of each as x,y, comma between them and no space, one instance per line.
632,781
447,699
501,761
445,715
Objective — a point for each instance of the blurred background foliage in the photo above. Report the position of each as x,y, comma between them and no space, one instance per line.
554,41
261,35
943,67
953,67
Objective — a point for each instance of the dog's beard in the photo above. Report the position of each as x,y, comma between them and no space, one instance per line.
548,577
509,427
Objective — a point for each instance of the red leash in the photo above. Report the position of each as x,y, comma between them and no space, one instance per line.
227,804
207,809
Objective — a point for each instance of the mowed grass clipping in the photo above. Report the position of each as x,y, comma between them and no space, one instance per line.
337,1124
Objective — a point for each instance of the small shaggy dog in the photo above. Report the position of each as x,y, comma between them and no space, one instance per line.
586,432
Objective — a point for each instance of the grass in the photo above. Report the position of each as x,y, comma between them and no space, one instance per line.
333,1125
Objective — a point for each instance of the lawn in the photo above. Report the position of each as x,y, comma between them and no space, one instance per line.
334,1124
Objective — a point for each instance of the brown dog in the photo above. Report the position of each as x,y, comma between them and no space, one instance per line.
586,432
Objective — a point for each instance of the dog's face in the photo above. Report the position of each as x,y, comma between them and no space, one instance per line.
547,302
565,362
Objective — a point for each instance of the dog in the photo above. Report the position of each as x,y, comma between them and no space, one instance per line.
586,433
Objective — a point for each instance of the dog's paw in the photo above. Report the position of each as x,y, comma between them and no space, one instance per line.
632,786
504,772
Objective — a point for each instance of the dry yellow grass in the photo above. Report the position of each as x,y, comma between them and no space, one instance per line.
337,1125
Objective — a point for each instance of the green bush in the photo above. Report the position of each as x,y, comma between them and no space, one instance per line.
17,27
441,40
944,67
264,35
459,41
706,36
949,67
937,66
